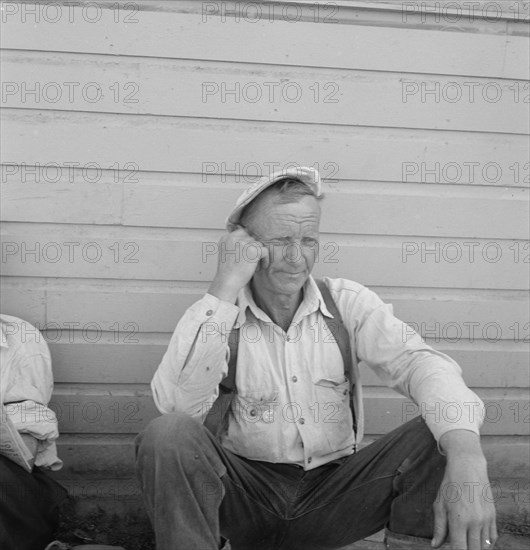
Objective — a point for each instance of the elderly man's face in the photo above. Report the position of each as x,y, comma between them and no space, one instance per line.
290,232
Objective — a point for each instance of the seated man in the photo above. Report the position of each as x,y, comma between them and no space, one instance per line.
29,499
283,469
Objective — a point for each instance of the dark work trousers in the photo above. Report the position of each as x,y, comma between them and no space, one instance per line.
29,504
196,491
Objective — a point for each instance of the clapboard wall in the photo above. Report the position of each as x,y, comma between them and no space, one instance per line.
129,129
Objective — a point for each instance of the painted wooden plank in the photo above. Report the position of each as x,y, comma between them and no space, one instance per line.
70,251
86,363
91,203
121,411
23,302
38,138
250,92
180,35
136,363
356,209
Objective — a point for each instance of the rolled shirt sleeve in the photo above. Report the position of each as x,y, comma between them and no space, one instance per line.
28,378
196,360
404,362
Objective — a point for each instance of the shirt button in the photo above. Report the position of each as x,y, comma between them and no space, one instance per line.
294,379
287,338
302,420
309,460
209,312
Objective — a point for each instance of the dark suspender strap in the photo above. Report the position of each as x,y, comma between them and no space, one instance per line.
228,384
217,418
340,333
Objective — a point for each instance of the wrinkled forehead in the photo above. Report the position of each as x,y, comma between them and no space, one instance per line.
271,216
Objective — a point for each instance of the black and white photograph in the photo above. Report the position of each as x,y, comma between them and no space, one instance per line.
265,275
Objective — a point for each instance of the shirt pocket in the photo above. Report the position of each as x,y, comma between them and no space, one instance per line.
256,407
332,401
255,428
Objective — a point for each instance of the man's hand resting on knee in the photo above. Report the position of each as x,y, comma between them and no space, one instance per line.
464,512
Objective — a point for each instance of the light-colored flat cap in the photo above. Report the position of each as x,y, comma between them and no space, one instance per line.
309,176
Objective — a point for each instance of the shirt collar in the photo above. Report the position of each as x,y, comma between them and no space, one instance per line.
311,302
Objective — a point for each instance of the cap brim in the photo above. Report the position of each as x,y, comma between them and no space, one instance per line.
309,176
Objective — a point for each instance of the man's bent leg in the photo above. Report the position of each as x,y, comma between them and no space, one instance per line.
180,474
195,490
393,481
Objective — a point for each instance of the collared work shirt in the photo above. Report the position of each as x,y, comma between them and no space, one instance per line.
292,402
26,385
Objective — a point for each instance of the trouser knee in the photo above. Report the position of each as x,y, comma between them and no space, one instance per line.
172,432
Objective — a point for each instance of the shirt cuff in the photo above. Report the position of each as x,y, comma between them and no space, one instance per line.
470,421
225,313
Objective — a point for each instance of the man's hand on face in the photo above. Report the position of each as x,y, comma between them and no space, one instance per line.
239,257
463,510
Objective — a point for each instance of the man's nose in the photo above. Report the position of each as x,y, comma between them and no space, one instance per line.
292,253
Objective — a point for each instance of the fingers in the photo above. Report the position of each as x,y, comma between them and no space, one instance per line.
440,524
240,230
490,536
474,538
